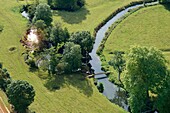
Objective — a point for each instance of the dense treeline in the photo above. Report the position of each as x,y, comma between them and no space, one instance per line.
69,5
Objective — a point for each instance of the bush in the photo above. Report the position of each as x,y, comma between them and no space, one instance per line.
31,63
100,87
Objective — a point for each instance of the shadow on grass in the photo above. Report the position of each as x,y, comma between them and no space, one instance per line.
167,6
76,80
73,17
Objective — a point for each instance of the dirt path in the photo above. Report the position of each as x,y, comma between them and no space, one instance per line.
3,108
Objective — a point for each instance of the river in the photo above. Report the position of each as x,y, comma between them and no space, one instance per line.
111,91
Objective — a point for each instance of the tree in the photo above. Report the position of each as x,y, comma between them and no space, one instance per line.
20,94
72,57
31,11
146,68
100,87
40,24
118,63
84,39
58,35
69,5
5,78
54,60
163,101
43,12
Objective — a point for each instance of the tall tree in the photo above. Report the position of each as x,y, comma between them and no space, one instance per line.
21,95
84,39
146,68
58,34
43,12
118,63
72,57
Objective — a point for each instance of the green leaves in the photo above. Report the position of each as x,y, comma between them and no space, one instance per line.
43,12
72,56
146,69
20,94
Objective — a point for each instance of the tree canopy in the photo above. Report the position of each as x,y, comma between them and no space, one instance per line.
20,94
43,12
72,57
146,68
69,5
118,62
58,34
84,39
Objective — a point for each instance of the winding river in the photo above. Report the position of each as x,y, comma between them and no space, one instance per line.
111,91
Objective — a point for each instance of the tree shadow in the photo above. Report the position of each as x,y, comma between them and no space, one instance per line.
76,80
54,83
167,6
73,17
80,82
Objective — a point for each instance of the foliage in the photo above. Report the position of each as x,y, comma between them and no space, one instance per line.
84,39
5,78
31,11
100,87
54,60
20,94
72,57
40,24
43,12
69,5
118,63
163,100
31,62
58,34
146,68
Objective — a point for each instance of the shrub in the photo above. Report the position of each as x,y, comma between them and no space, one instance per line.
100,87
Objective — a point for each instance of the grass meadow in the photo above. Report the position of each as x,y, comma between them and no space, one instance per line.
147,27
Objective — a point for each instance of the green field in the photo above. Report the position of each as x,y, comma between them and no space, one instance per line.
75,95
147,27
89,17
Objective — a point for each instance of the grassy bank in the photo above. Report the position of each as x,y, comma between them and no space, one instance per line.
147,27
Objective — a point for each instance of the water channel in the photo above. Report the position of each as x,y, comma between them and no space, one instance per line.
111,91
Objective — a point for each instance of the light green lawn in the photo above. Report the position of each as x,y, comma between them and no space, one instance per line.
89,17
75,95
147,27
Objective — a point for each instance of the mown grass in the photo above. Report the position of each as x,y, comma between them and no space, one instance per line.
73,93
147,27
94,12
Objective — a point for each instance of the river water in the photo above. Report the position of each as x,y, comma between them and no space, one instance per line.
111,91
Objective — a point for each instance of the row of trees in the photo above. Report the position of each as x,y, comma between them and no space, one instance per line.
146,74
20,93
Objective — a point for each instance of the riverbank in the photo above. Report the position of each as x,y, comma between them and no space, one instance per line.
145,32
